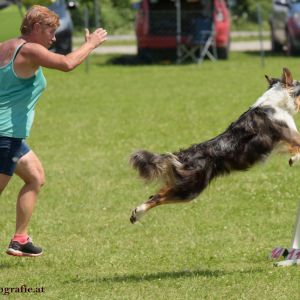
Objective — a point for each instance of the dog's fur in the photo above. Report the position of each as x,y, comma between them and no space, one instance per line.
266,125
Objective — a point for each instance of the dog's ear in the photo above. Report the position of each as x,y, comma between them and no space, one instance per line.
268,79
287,78
272,81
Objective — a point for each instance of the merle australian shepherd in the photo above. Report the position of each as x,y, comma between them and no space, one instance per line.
266,125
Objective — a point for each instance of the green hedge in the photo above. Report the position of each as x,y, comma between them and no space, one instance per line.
115,18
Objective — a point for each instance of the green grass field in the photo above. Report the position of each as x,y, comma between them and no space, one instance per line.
216,247
10,21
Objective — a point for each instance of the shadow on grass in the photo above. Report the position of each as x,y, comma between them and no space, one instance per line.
269,54
4,266
158,276
134,60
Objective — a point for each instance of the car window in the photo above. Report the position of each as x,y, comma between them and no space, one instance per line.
200,5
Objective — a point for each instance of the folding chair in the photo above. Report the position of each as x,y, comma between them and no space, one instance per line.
201,43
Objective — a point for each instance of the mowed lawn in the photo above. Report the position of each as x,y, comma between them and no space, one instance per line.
10,21
216,247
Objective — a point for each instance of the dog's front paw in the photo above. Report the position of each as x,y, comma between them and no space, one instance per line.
294,159
133,217
136,214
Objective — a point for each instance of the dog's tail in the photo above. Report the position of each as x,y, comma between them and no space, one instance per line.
153,166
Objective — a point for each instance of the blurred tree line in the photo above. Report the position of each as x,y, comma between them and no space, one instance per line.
117,16
246,10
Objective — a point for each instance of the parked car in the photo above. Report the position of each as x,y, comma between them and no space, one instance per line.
285,26
63,44
4,4
156,25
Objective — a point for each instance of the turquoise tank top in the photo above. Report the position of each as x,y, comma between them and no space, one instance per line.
18,98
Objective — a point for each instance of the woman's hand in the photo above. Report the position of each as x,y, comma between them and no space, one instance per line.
96,38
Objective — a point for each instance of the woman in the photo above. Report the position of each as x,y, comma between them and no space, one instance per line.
21,83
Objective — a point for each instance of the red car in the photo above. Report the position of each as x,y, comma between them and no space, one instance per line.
156,25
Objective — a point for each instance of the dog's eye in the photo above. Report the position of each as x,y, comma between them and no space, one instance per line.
296,90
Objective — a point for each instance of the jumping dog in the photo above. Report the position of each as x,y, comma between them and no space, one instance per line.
266,125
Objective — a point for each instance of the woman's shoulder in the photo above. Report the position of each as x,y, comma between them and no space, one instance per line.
9,45
7,49
10,42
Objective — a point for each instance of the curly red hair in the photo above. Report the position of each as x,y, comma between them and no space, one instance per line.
39,14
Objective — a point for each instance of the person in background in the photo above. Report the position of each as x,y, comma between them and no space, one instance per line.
21,84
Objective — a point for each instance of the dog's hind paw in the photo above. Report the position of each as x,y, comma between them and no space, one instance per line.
291,162
136,214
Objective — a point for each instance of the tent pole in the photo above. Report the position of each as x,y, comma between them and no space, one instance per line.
178,29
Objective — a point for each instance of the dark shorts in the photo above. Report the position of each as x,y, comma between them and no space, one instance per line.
11,150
